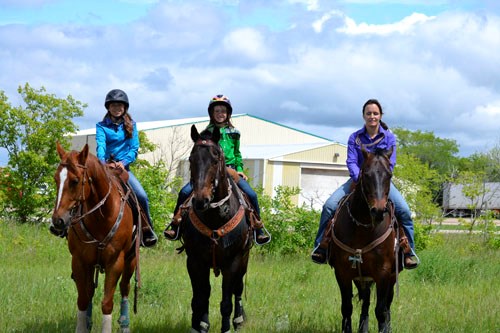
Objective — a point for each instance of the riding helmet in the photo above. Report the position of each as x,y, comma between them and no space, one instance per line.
220,100
116,96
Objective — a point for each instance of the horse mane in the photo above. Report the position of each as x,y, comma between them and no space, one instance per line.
206,135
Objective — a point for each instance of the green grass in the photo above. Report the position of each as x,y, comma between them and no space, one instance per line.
455,289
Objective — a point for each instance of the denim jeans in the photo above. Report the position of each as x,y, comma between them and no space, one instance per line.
242,184
402,211
142,197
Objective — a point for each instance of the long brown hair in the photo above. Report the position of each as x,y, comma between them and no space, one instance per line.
128,123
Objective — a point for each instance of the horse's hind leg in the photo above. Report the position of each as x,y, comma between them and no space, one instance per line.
199,273
239,312
128,271
364,297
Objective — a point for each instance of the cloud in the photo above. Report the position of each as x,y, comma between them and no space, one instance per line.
430,72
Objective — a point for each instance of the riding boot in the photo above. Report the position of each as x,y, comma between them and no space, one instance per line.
409,262
319,253
171,232
149,238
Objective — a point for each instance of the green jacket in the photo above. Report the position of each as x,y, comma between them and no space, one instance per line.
230,144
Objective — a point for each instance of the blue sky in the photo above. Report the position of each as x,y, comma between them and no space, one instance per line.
308,64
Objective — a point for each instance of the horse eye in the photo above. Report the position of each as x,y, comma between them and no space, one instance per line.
75,181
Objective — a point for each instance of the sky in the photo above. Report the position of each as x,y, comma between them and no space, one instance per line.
434,65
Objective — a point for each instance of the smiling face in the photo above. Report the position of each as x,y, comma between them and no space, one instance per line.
116,110
372,116
219,114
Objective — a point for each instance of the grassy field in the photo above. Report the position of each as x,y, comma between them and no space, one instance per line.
455,289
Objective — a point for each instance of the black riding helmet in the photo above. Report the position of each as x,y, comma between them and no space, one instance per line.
116,96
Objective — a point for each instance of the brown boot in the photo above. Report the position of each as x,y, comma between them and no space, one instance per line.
149,238
319,255
171,232
261,238
410,263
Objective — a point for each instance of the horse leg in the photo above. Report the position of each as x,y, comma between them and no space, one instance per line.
226,304
82,275
128,271
112,274
239,312
364,296
345,286
199,274
385,294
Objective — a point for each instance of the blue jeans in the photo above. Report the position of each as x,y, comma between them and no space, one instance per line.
242,184
142,197
402,212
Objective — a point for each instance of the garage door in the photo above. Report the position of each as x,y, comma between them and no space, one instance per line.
318,184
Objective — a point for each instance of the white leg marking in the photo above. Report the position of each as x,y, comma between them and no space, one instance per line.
106,323
81,322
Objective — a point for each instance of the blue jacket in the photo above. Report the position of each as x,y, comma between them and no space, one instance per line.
110,139
355,156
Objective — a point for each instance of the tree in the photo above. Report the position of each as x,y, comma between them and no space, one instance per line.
29,133
437,153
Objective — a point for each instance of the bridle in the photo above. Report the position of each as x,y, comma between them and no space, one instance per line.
220,170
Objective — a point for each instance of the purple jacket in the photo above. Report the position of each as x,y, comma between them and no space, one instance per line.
354,154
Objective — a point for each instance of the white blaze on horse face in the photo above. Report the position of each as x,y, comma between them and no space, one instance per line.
62,179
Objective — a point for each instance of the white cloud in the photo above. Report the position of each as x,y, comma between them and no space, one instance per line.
404,26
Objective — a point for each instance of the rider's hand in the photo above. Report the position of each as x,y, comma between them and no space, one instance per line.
242,175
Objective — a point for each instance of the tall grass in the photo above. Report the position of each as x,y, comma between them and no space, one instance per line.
455,289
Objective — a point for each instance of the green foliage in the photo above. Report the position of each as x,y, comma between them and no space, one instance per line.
29,133
439,154
292,228
155,179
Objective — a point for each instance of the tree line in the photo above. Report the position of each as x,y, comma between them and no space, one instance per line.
28,134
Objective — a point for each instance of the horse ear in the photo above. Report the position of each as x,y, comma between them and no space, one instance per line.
389,152
60,150
194,133
364,151
82,157
216,135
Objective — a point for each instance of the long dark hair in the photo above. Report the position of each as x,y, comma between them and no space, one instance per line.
377,103
128,123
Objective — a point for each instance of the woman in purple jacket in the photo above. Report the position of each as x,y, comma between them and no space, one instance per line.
374,135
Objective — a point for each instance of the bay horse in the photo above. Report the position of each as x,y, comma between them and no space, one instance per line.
216,233
92,210
364,249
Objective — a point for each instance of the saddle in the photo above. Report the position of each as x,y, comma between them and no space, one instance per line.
123,176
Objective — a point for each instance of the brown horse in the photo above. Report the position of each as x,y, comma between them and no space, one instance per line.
92,209
363,247
215,232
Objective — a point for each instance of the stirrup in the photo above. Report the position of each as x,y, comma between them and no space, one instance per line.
267,239
319,255
174,228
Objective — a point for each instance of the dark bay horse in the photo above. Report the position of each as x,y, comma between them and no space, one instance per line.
364,246
216,233
91,207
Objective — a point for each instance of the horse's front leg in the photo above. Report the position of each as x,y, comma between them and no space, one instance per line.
385,294
345,285
238,285
199,274
82,275
112,274
364,296
128,271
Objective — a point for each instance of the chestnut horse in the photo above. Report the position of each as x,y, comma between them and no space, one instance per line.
92,209
215,232
363,250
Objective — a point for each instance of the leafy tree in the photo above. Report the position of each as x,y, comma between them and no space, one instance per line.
439,154
28,133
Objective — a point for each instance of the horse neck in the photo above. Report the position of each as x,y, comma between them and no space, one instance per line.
99,181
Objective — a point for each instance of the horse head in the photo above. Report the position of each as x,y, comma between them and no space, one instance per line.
71,182
207,167
375,181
